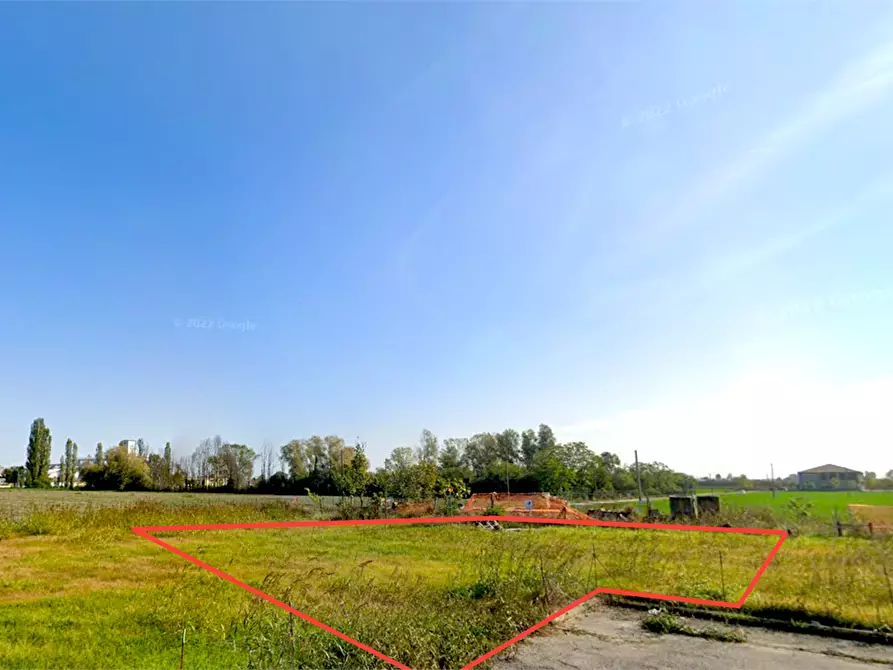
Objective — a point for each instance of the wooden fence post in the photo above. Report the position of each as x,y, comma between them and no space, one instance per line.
722,576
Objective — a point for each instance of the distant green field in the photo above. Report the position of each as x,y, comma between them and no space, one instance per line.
824,503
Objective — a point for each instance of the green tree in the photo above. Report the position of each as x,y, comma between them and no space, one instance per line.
482,453
575,455
158,472
37,463
72,464
168,465
624,480
552,471
545,438
142,448
66,464
294,456
508,444
338,454
317,455
99,458
122,471
404,478
401,458
428,447
15,475
178,479
594,477
356,476
235,464
529,446
451,455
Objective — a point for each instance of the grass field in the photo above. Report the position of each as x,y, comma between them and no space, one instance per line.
822,504
18,503
78,589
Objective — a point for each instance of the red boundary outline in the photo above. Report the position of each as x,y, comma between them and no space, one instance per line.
144,531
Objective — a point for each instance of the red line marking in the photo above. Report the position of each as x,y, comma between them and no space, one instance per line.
144,531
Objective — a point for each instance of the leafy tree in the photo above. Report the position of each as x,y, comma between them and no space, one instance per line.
575,455
15,475
37,462
451,455
294,456
545,438
178,479
508,446
529,446
624,479
71,452
99,458
122,471
428,447
594,476
234,464
168,464
158,472
401,458
356,475
552,471
65,463
481,453
404,478
338,455
317,455
142,448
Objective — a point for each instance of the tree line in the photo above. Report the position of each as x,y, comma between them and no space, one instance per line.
523,462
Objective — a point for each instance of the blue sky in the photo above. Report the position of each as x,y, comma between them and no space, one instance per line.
436,217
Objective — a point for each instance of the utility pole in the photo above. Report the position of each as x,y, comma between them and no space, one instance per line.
772,468
342,473
638,475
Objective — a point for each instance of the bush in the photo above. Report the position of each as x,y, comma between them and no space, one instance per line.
349,510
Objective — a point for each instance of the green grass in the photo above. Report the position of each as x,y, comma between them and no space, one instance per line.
824,504
19,503
78,589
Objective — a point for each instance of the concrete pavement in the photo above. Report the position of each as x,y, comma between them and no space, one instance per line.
609,638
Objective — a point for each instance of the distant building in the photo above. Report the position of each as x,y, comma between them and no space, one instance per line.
130,444
829,477
55,472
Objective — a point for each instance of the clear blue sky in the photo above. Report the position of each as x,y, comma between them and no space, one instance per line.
437,218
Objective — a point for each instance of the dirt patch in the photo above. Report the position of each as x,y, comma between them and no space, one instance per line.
529,504
879,516
415,509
